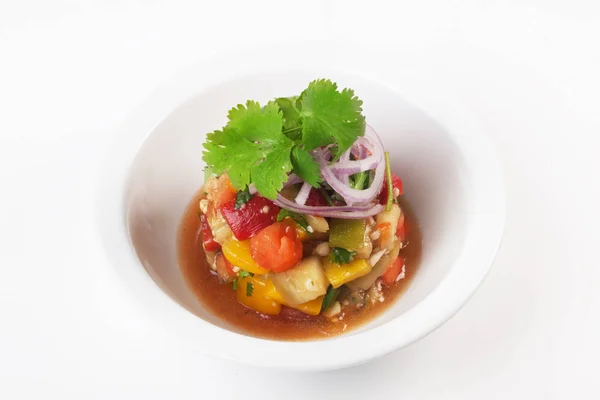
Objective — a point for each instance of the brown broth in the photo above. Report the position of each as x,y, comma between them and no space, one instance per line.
291,324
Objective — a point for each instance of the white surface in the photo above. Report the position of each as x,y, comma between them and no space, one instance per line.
69,73
451,174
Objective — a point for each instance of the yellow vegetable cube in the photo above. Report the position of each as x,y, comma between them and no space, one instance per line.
238,254
252,291
339,274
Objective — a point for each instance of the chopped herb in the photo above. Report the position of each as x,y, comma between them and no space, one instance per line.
390,184
243,274
242,197
340,255
330,297
262,144
299,218
235,283
249,289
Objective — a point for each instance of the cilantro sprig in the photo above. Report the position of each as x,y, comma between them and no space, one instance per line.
263,144
340,255
298,218
240,275
330,296
241,198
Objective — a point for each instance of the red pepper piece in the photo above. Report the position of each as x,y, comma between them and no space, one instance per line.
316,198
251,218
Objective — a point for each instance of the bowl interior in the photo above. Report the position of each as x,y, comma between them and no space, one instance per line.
168,170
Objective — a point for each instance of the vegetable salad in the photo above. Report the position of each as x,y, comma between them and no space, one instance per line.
300,206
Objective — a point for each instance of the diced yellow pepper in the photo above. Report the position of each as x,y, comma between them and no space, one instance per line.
258,299
238,254
339,274
312,307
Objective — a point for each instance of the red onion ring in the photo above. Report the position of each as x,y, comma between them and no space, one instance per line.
303,194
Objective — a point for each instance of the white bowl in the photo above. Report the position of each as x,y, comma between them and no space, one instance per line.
451,175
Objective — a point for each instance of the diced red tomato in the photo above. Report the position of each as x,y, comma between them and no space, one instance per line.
224,268
316,198
251,218
396,184
390,276
277,247
207,237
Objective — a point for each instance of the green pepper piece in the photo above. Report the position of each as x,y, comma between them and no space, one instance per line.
347,233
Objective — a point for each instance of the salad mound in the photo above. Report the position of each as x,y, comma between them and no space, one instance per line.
299,208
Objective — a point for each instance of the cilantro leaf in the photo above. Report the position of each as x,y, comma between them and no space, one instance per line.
244,274
299,218
306,167
330,116
330,296
340,255
256,123
242,197
249,289
251,138
261,145
290,107
234,285
227,150
270,175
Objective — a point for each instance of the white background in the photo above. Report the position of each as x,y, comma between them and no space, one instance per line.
70,71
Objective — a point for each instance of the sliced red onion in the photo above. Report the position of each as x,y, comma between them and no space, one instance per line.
346,212
303,193
345,158
292,180
345,166
370,133
356,166
359,149
350,195
292,205
376,209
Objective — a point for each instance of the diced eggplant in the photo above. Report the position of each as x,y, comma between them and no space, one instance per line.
219,226
303,283
382,265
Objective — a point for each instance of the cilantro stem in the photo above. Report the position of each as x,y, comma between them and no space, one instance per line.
359,180
327,197
390,185
296,128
